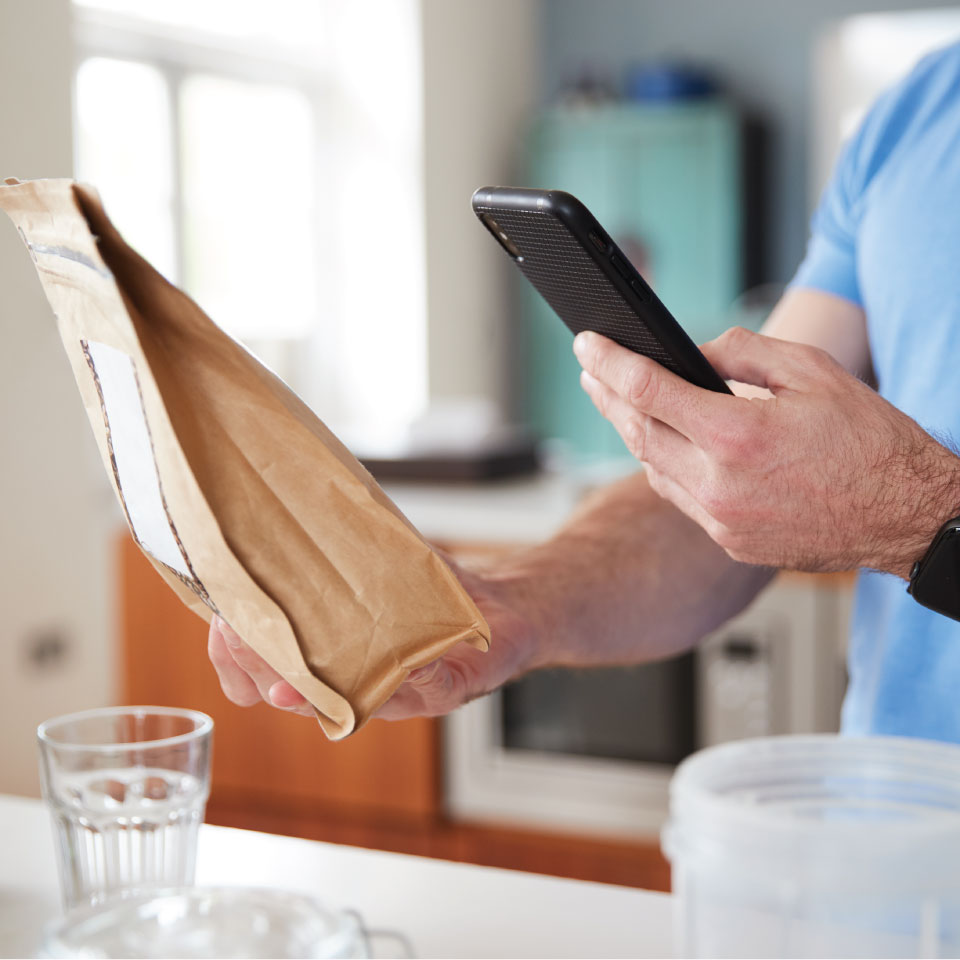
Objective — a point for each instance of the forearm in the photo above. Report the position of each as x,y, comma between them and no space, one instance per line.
629,579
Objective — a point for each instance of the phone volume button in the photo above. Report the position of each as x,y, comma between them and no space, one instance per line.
640,289
619,266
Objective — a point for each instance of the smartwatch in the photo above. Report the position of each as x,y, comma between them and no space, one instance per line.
935,579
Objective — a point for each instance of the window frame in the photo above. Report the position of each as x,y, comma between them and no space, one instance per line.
176,54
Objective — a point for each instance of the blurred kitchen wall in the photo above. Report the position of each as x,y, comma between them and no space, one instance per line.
481,83
56,628
759,49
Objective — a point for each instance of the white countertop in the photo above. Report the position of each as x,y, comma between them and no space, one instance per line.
444,909
513,510
518,510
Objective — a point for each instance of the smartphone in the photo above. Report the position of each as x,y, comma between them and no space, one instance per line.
565,253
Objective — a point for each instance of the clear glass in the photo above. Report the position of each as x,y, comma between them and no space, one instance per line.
218,922
127,787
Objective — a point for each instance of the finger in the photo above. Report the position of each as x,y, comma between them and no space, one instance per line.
249,661
682,499
417,694
236,685
762,361
270,686
649,440
674,465
286,697
647,385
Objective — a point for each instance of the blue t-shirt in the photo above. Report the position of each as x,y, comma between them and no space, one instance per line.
886,235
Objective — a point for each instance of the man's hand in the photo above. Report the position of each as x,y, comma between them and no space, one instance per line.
438,688
823,475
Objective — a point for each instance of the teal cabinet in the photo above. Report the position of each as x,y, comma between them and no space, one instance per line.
665,182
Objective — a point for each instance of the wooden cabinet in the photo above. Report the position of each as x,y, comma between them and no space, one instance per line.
262,754
379,788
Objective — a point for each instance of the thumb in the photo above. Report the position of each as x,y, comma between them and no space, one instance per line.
427,691
747,357
433,673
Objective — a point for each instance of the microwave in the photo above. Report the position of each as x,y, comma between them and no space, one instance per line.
592,751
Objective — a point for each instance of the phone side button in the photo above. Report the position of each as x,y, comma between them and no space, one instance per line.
640,289
619,266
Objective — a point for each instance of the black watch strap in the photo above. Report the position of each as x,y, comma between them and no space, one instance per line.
935,579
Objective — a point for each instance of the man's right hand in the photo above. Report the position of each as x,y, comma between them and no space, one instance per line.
435,689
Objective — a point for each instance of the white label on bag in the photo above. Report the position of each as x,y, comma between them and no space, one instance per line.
134,463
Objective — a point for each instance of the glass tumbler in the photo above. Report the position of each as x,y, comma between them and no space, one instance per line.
127,788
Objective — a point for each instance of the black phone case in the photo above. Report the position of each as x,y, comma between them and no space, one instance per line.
565,253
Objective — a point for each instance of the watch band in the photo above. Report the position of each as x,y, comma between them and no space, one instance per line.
935,578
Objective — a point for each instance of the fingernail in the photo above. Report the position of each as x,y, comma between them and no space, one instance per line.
580,344
297,701
233,639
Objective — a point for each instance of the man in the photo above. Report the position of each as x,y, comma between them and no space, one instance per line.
808,468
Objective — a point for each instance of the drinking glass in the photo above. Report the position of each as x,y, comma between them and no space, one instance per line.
127,788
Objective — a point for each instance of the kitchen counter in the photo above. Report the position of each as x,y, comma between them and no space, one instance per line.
511,511
444,909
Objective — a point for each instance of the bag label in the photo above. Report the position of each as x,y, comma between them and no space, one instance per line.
131,451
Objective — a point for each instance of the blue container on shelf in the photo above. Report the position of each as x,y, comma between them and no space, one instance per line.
653,82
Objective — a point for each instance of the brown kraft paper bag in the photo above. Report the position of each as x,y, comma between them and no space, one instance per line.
246,504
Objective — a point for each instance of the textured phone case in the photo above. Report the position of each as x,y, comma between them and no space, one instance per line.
579,284
573,283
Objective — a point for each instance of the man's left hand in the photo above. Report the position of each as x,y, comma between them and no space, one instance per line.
824,474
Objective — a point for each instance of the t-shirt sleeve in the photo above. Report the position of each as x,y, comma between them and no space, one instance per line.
830,263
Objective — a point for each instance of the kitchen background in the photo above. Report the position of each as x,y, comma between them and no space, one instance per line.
303,168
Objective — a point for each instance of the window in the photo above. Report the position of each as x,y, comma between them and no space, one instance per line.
267,158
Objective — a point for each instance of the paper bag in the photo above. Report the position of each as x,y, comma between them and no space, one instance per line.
243,500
